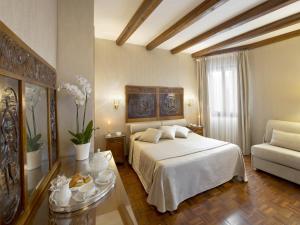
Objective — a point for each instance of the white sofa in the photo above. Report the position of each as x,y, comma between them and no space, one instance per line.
282,162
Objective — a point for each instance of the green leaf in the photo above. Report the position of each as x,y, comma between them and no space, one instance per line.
75,141
84,137
36,138
88,132
73,134
33,143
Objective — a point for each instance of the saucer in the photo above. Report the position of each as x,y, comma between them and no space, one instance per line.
105,177
85,192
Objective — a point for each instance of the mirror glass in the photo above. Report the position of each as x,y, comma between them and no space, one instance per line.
53,126
10,181
37,157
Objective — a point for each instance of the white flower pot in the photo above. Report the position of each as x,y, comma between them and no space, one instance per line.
34,159
82,151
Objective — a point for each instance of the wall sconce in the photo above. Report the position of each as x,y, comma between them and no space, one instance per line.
116,104
190,102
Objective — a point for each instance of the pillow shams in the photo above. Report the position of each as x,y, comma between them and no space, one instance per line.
286,140
151,135
181,132
168,132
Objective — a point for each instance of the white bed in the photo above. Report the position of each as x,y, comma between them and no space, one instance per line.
179,169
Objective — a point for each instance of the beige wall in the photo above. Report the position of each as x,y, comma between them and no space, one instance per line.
116,67
75,57
61,32
35,22
275,84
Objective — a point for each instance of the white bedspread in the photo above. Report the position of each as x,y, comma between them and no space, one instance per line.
197,164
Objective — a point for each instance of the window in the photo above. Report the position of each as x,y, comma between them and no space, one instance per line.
222,86
223,99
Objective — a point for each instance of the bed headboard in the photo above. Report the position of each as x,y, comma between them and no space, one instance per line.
138,127
152,103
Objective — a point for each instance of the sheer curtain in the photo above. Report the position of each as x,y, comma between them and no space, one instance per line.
223,98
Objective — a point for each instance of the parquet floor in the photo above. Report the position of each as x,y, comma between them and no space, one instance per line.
264,200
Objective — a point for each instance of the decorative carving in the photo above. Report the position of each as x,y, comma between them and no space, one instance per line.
16,59
141,103
10,186
53,125
170,102
153,103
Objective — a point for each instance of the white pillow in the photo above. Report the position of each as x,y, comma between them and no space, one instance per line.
168,132
286,140
181,132
151,135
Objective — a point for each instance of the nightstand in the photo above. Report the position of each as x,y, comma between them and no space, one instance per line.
116,144
198,129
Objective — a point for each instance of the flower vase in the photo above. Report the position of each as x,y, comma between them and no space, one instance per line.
82,151
34,159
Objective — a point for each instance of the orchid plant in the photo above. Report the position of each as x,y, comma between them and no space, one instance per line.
80,94
32,97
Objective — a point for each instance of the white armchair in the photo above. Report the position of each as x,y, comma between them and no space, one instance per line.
278,160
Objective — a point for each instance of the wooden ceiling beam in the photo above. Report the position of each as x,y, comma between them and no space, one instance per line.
142,13
279,24
258,44
251,14
201,10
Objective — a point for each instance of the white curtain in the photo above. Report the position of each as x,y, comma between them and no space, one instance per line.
223,98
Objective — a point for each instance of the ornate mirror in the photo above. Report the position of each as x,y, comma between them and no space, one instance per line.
37,156
10,172
28,128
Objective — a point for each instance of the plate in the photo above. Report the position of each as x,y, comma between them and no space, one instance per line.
84,194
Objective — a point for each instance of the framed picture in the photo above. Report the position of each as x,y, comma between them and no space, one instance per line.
141,103
144,103
170,103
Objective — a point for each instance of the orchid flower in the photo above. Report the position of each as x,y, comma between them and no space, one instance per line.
80,94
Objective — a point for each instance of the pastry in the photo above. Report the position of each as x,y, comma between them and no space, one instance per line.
78,180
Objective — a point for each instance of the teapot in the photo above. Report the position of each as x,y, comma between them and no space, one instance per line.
61,192
100,162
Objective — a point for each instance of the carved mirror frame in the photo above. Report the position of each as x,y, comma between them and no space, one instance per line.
21,64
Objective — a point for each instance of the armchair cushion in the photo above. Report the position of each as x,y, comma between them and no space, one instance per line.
286,140
275,154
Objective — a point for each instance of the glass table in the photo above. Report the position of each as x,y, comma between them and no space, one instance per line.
113,209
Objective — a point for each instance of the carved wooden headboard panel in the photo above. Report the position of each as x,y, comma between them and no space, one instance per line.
147,103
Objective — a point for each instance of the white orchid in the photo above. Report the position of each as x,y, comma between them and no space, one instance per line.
75,92
80,94
32,96
85,85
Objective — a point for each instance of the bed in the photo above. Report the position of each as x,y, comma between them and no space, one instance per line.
172,171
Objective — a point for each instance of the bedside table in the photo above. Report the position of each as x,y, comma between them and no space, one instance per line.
198,129
116,144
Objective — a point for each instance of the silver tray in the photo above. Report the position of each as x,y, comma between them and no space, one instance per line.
102,190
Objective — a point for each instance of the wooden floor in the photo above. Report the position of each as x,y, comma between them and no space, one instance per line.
264,200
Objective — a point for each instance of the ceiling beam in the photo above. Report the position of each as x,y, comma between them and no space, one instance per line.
201,10
251,14
142,13
258,44
279,24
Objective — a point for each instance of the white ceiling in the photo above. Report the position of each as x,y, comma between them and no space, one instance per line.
111,17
